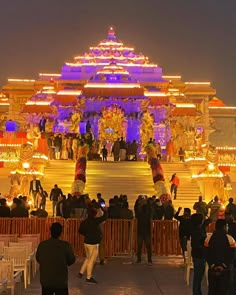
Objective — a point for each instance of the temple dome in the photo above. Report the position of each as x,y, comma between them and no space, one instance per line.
112,74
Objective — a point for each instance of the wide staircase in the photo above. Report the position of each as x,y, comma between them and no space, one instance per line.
188,190
115,178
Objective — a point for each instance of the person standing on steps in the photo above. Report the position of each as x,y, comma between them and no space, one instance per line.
56,192
116,150
35,188
174,185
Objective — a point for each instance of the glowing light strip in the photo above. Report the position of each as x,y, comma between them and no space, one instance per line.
40,157
104,64
48,74
152,93
230,148
110,85
69,92
195,159
112,57
109,43
227,164
197,83
223,107
21,80
40,103
109,48
171,77
173,89
185,105
205,175
113,72
9,161
10,144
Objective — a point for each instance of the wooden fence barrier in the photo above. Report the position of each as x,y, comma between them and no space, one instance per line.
5,226
120,236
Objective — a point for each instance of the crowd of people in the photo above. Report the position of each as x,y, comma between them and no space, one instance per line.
218,249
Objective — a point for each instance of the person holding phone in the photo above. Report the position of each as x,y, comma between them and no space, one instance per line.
91,230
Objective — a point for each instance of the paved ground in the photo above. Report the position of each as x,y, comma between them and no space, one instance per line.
121,277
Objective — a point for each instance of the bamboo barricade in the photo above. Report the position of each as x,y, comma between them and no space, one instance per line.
120,236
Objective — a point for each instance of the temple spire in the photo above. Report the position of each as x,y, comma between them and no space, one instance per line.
111,34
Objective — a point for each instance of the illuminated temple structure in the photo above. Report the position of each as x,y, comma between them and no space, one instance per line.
121,93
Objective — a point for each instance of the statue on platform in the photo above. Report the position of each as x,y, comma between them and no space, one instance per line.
20,177
78,184
146,128
170,150
34,134
75,120
160,185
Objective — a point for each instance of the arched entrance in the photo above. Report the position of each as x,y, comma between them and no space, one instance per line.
112,124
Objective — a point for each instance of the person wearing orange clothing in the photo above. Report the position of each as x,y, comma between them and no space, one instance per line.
174,185
170,150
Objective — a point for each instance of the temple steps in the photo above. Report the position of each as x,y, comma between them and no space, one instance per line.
115,178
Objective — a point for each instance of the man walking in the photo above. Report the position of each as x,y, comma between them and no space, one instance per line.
91,230
54,256
56,192
174,185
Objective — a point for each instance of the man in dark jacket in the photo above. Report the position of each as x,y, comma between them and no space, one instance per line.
54,256
144,231
56,192
198,236
184,227
35,188
18,210
4,209
220,249
91,230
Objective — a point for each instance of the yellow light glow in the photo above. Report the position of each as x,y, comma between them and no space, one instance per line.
26,165
211,167
9,203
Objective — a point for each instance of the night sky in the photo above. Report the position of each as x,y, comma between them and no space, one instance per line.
194,38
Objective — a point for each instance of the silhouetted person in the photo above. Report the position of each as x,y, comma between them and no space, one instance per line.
220,254
144,232
18,210
104,153
201,207
54,256
4,209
